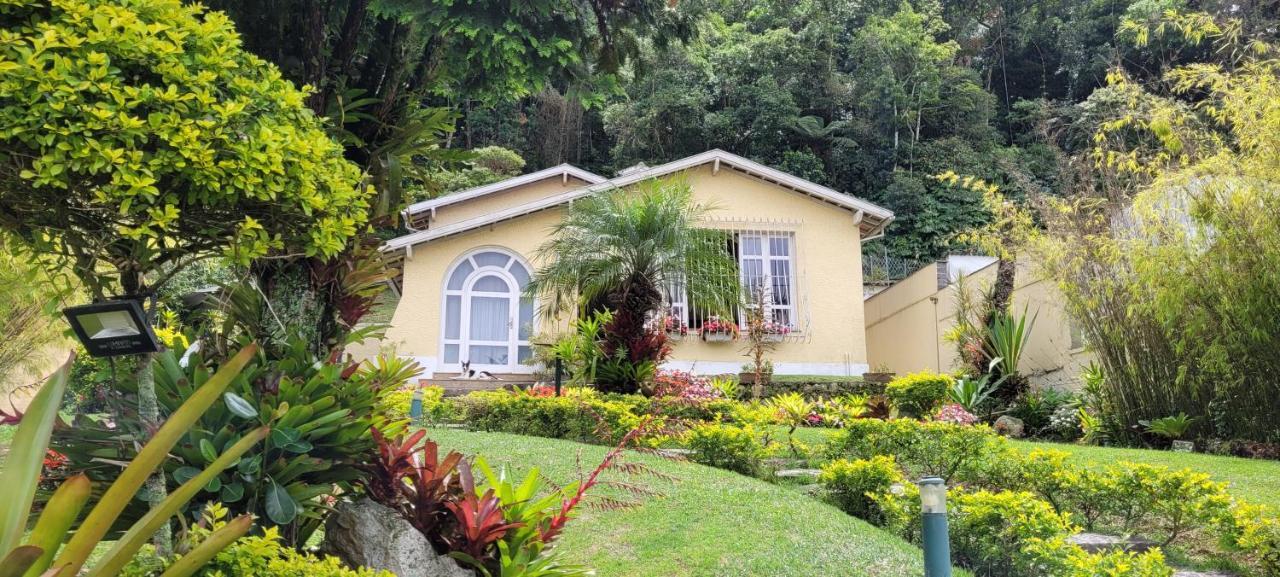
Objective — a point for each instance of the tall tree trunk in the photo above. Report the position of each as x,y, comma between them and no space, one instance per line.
1002,291
148,406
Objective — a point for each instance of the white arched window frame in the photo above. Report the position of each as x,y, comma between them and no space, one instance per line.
487,318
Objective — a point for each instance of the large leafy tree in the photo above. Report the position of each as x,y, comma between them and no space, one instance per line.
138,137
619,251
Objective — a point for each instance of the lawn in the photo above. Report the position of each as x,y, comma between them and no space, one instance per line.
709,522
1254,480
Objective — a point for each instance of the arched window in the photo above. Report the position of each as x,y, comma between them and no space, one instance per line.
488,320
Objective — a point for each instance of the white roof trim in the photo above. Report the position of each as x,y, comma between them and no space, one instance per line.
872,213
563,171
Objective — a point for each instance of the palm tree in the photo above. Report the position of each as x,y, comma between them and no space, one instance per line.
620,249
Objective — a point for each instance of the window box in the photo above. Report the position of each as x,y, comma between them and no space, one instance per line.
773,337
717,337
715,330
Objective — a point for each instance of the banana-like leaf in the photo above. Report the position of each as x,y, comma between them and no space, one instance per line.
118,495
22,468
59,514
18,560
124,549
217,541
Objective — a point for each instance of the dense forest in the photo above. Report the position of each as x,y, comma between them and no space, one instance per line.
871,98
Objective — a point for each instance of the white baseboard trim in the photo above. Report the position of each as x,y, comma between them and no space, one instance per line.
779,368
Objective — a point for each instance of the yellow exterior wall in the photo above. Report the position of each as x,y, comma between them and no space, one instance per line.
907,324
493,202
828,262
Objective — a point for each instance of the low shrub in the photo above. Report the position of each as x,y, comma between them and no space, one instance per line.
729,447
851,485
585,418
1036,408
919,394
821,386
990,531
957,453
250,556
683,385
395,404
1252,534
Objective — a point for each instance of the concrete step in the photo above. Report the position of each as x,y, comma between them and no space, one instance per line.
454,386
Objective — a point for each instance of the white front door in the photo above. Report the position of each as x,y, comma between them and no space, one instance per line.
490,309
487,320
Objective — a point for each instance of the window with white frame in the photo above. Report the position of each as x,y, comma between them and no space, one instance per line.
766,265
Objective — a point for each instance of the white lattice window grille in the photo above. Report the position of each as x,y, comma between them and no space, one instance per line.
766,266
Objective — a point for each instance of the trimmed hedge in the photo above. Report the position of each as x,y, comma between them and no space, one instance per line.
582,418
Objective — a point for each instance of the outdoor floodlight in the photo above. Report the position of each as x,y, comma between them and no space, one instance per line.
112,328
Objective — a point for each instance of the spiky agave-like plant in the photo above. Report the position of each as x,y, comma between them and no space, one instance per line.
620,249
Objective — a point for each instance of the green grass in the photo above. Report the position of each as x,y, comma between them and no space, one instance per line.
1254,480
707,523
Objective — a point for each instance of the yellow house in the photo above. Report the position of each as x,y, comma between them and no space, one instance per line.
907,323
465,267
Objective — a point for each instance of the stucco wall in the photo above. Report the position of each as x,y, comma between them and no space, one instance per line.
907,324
496,201
828,262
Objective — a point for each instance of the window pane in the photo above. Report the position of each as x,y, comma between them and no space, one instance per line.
522,275
492,259
460,275
751,245
782,317
491,283
452,317
526,318
779,245
489,317
484,355
450,354
525,353
780,276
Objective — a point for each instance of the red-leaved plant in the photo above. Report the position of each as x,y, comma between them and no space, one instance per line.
414,481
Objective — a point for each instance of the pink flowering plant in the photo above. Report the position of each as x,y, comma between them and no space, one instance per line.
683,385
674,326
956,415
717,325
775,328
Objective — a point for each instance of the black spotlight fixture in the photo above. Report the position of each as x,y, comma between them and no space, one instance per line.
112,328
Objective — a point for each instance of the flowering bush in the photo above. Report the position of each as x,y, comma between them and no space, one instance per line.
955,414
541,391
683,385
775,328
717,325
674,326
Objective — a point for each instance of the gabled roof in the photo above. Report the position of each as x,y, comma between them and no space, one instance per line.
872,219
561,171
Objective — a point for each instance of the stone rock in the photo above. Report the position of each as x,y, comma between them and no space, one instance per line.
367,534
1185,573
1010,426
1100,543
1184,446
812,473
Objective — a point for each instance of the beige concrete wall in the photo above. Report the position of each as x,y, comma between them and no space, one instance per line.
907,324
491,203
828,261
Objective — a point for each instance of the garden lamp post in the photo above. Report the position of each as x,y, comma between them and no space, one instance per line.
937,543
415,405
113,327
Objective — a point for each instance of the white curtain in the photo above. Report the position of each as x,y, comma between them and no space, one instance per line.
489,318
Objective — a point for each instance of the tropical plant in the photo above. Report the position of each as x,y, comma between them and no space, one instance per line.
1172,427
760,329
793,410
728,387
1007,338
971,392
618,251
52,544
320,414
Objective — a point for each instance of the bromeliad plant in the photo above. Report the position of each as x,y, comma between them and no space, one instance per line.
320,411
52,548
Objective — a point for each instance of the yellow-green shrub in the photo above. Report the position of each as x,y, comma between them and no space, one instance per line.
919,394
851,484
922,448
395,404
580,418
726,446
1252,532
